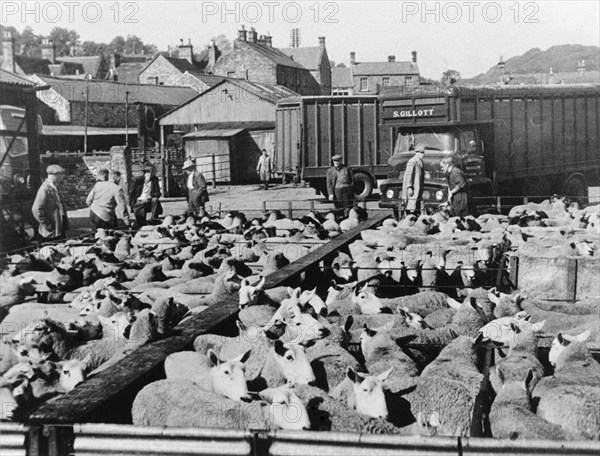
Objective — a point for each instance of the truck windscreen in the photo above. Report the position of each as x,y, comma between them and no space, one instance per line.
438,141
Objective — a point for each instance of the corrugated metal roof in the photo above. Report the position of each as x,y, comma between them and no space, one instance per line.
114,92
308,57
12,78
226,133
257,125
384,68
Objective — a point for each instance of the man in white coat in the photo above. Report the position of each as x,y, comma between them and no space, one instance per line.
264,168
413,182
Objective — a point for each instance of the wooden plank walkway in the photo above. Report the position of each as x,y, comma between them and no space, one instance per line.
107,396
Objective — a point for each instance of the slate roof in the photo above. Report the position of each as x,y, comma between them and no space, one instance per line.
32,65
384,68
208,79
130,71
182,65
114,92
273,54
90,64
308,57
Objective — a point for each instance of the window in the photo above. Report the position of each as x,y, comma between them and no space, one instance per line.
364,84
408,80
282,77
385,82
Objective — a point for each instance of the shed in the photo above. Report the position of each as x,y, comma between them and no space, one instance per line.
234,117
229,152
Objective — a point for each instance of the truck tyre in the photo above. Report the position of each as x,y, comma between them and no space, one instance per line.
363,185
576,189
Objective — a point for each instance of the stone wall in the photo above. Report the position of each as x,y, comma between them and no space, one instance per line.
104,115
80,175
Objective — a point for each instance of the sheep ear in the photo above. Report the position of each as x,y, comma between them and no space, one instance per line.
348,323
261,283
529,380
243,357
562,340
385,374
479,339
244,283
493,298
296,294
351,375
583,336
388,326
453,303
538,326
501,353
499,374
213,358
515,328
241,326
279,347
402,312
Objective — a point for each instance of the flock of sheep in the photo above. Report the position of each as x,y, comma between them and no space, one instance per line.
383,337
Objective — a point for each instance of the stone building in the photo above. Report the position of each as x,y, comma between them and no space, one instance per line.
368,77
255,59
316,60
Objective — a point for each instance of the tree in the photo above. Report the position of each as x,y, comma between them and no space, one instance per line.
223,44
92,48
29,43
340,65
450,76
63,39
117,44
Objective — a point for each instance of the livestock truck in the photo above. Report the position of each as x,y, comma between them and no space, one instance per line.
508,140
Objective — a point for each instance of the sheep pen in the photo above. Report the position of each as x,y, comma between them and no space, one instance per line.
220,325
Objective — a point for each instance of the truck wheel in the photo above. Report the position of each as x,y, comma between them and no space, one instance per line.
363,185
576,189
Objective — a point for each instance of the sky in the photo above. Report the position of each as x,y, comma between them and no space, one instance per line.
467,36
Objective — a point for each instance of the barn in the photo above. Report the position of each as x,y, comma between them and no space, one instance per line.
225,127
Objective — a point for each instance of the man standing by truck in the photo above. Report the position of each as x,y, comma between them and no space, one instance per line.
412,184
457,188
340,185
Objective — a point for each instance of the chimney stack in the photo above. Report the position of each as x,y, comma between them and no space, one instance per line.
391,58
253,35
8,51
213,55
322,42
261,40
186,51
48,50
242,34
269,40
353,58
414,56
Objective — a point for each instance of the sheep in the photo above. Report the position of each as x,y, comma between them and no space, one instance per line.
15,399
570,398
286,409
168,314
209,371
329,362
14,292
184,403
367,394
381,352
328,414
447,388
511,415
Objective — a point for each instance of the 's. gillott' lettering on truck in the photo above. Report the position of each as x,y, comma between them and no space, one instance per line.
413,113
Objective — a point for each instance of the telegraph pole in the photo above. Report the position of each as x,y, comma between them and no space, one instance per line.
126,115
85,132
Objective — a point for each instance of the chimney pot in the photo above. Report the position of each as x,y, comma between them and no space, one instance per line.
391,58
353,58
8,51
242,34
414,56
322,42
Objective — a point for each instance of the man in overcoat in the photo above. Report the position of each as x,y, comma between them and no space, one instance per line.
49,207
413,182
195,184
340,185
458,198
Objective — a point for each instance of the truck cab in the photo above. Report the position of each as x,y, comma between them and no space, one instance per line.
462,143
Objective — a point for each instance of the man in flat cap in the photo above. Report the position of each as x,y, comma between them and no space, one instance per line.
49,207
103,200
340,185
144,196
195,184
412,184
